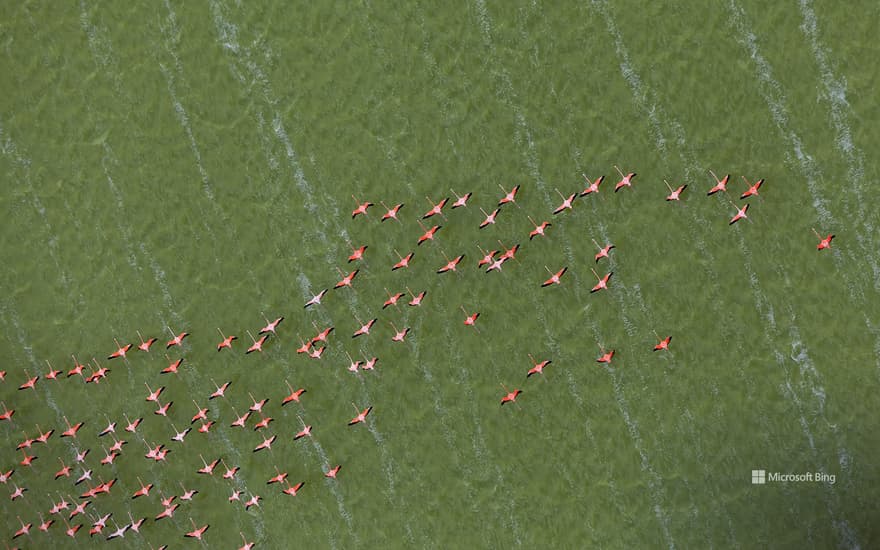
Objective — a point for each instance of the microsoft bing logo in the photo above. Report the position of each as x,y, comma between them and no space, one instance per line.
759,477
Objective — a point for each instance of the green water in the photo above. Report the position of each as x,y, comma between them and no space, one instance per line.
193,165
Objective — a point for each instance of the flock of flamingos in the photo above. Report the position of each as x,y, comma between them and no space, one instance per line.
81,482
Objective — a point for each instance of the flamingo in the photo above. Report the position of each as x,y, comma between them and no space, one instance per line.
556,278
119,532
240,419
253,501
664,343
64,471
509,196
460,201
145,345
625,181
391,213
357,253
144,491
538,368
31,382
606,356
435,208
676,194
306,431
201,414
167,512
371,364
603,251
278,478
450,264
365,328
266,444
136,525
154,395
347,279
566,202
753,189
71,531
220,391
293,396
490,218
79,509
603,281
176,340
488,256
52,374
227,340
353,365
720,184
322,335
163,409
235,496
7,413
258,344
270,327
230,472
361,416
71,430
188,494
208,469
4,476
77,368
316,353
293,490
392,299
592,187
17,493
539,229
172,367
132,426
120,350
361,208
429,234
399,335
417,298
333,471
44,525
823,243
404,261
25,529
263,423
197,533
247,545
316,299
740,213
510,397
470,320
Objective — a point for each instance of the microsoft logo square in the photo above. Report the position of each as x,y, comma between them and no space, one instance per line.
759,477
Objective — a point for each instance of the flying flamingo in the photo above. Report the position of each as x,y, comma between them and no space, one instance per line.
293,490
539,229
592,187
357,253
470,319
77,368
555,278
253,501
230,472
753,189
270,327
353,365
52,374
391,213
365,328
460,201
247,545
18,492
220,391
306,431
404,261
131,426
31,382
258,344
154,395
25,529
566,202
316,353
740,213
135,525
240,419
163,409
603,281
71,430
172,367
488,256
188,494
208,469
119,532
720,184
823,243
490,218
120,350
197,533
258,405
676,194
429,233
322,335
144,491
263,423
7,413
664,343
266,444
333,471
316,299
167,512
509,196
111,428
64,471
606,356
201,414
399,335
511,396
278,477
417,298
293,396
361,416
361,208
176,340
603,251
435,208
44,525
538,368
4,476
371,364
346,279
227,340
509,253
392,299
625,181
450,264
